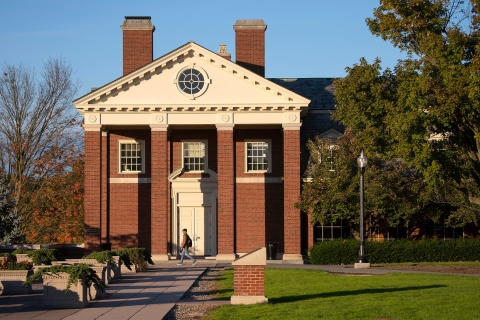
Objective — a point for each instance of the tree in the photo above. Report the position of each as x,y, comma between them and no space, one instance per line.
58,207
426,110
39,128
393,191
10,222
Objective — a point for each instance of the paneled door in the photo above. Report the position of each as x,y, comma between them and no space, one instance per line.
197,220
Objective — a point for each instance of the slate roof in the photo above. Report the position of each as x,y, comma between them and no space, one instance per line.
320,91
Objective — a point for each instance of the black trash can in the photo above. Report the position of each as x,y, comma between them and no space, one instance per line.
272,250
106,246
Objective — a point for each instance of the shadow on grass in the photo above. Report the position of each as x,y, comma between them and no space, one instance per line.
347,293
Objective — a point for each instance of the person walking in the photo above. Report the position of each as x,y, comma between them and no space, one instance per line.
186,243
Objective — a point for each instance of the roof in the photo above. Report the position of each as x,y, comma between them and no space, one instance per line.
319,90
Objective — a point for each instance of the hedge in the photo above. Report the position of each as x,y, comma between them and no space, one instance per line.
395,251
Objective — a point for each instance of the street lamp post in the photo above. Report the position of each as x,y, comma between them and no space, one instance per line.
362,260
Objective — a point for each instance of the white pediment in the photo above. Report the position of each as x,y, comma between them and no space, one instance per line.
153,88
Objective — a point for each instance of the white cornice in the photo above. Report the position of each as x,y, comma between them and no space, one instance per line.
191,108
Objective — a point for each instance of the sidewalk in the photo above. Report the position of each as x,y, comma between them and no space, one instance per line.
145,295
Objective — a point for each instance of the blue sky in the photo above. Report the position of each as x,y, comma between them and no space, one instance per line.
304,38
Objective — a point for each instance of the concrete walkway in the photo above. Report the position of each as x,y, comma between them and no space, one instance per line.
145,295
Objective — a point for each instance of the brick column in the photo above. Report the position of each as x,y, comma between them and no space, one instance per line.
92,213
291,192
159,192
226,194
104,216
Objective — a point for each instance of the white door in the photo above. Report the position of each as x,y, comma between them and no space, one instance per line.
197,220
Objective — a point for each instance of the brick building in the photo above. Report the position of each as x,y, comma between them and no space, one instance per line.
193,140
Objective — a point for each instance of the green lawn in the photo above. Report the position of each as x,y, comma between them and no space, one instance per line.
312,294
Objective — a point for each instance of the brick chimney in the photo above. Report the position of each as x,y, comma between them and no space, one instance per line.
137,42
222,52
250,45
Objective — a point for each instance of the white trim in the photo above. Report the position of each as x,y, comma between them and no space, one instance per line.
130,180
260,180
179,186
92,127
269,155
142,144
205,142
206,81
291,126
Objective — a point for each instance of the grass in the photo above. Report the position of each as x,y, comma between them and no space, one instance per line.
315,294
444,264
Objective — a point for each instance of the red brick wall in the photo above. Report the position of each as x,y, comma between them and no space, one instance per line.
259,206
129,215
137,49
250,50
292,225
129,204
92,189
226,192
249,281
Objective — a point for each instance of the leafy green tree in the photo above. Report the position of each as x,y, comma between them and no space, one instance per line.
393,190
426,110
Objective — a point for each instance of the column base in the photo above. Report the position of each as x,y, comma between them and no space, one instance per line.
226,257
161,257
362,265
292,258
248,299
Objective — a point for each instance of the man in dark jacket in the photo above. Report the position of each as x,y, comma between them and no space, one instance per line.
184,248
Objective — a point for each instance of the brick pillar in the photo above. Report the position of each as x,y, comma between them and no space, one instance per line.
160,193
291,192
104,220
249,278
226,193
92,202
249,281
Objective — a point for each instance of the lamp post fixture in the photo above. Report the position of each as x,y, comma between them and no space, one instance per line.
362,261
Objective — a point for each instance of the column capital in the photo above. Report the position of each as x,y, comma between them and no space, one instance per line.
92,127
159,127
225,126
291,126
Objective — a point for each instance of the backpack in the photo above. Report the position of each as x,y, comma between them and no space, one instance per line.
189,241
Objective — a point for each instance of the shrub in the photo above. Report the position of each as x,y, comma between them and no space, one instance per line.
11,265
44,255
21,251
140,257
101,257
124,257
395,251
74,274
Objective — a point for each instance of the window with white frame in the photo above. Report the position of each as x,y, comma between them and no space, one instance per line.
131,157
258,156
194,155
331,157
